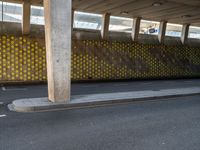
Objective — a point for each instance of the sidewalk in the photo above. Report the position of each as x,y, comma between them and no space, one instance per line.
94,100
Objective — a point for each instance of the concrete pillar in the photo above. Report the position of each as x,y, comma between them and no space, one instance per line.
26,14
136,29
72,19
58,23
185,32
162,31
105,26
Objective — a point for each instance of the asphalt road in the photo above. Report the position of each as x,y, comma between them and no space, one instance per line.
168,124
171,124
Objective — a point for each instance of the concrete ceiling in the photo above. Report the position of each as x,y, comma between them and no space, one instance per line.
174,11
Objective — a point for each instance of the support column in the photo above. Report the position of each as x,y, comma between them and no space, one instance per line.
72,18
58,23
162,31
184,34
136,29
26,13
105,26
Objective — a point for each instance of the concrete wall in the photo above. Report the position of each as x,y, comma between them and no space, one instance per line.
23,58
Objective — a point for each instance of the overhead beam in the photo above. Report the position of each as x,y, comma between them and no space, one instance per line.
26,13
185,32
105,26
162,31
58,23
136,29
33,2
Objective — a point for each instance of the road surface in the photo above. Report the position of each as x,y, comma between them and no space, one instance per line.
168,124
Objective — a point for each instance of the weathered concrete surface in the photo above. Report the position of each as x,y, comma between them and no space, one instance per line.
26,13
136,29
58,44
93,100
105,26
185,33
162,31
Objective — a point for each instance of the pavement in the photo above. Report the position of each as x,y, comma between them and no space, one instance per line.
94,100
10,93
134,91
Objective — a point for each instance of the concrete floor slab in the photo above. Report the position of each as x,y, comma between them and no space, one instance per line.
93,100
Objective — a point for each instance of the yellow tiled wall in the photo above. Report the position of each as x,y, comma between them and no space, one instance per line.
21,60
24,59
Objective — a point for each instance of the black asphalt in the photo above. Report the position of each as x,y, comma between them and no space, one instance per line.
172,124
168,124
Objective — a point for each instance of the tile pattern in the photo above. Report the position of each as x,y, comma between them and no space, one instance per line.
24,59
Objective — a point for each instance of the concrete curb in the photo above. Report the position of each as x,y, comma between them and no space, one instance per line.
85,101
